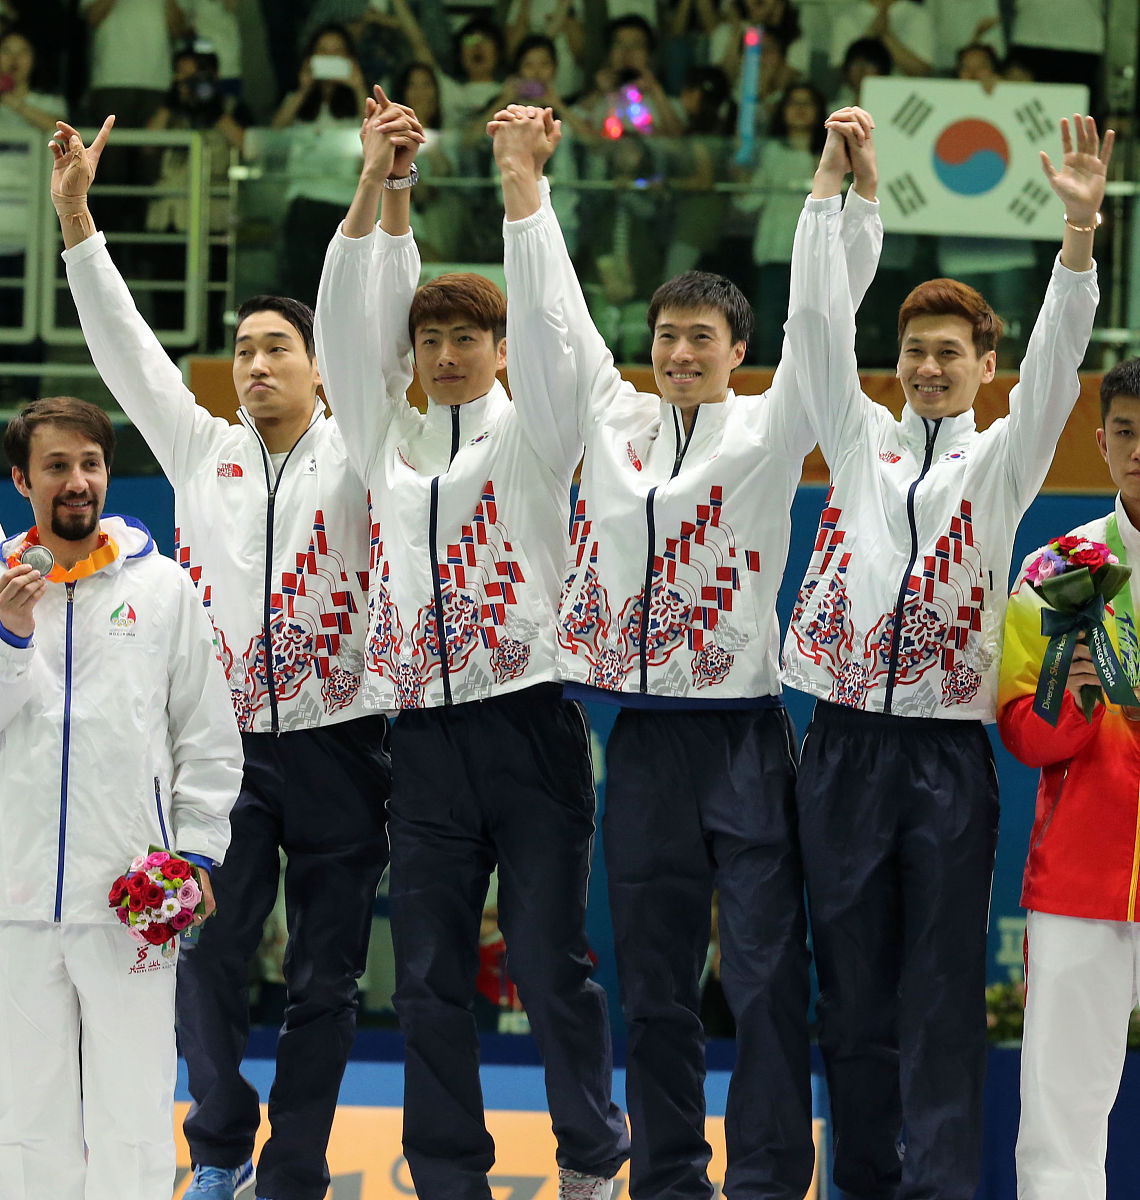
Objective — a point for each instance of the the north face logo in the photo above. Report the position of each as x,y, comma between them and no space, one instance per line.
229,471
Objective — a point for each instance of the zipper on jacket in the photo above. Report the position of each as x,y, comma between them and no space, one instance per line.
437,586
682,448
271,487
896,634
67,655
1052,810
161,818
682,445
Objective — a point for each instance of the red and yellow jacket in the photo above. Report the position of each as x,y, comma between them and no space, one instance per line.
1084,852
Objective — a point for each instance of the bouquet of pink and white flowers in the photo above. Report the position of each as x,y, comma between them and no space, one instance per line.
157,897
1076,577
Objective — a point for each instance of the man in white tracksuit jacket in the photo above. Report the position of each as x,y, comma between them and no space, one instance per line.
489,763
684,498
897,632
116,734
272,527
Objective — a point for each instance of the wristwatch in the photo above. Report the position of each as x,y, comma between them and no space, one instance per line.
406,181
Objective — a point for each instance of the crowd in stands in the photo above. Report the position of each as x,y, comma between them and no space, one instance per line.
660,103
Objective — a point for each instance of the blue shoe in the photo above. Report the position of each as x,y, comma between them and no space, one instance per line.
219,1183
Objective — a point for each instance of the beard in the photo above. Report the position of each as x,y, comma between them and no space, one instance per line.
73,527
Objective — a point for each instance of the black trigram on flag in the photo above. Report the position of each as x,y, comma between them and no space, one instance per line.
911,114
1029,201
1034,121
906,194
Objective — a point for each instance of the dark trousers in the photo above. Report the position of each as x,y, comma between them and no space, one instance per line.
508,781
319,794
697,800
898,823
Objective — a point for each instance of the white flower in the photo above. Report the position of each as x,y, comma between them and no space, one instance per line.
169,909
140,921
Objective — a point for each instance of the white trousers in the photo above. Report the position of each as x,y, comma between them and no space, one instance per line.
86,1054
1082,985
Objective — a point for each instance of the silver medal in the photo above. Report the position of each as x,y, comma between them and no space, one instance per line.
38,557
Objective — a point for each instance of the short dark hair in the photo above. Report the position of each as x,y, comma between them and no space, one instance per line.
872,50
80,415
1121,380
460,294
299,315
951,298
533,41
988,51
695,290
631,21
484,26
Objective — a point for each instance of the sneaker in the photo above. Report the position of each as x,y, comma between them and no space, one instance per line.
219,1183
573,1186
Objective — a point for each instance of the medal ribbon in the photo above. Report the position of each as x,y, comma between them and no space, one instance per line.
1123,609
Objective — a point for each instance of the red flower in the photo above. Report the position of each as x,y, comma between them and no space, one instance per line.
178,869
136,903
1091,558
157,934
117,892
182,919
154,895
138,883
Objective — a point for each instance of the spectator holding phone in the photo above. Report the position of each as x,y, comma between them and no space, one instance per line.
330,84
626,80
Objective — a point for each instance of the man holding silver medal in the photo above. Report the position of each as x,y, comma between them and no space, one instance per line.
115,734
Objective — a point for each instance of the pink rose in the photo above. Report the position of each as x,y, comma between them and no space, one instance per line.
189,894
182,919
157,858
138,937
137,864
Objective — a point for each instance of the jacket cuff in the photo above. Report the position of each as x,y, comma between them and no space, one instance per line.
827,204
199,860
6,635
86,248
855,202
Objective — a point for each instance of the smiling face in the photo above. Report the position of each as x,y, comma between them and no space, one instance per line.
693,356
939,368
66,485
1119,443
456,361
274,377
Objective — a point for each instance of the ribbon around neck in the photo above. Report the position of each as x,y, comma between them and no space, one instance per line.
1064,629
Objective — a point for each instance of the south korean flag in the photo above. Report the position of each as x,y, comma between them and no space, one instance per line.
954,160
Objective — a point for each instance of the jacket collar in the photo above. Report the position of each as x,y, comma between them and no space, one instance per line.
474,416
949,432
1129,534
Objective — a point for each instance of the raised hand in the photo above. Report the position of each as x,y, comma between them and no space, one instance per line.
1084,169
857,127
20,590
73,170
390,135
525,132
